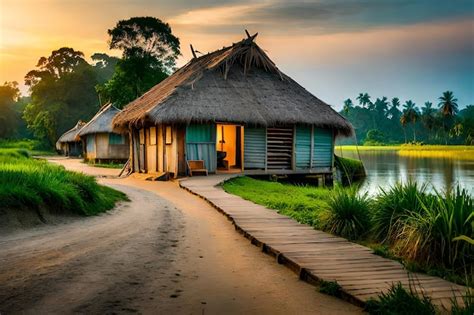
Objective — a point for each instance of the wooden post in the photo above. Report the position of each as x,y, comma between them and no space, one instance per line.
192,50
293,154
248,34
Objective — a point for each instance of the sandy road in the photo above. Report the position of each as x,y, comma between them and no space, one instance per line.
165,252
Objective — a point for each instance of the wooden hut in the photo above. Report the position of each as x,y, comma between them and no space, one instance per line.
101,143
236,111
69,144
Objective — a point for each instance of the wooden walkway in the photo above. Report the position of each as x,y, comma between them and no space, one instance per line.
315,255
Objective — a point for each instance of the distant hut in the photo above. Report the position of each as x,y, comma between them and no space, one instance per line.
100,142
231,110
69,144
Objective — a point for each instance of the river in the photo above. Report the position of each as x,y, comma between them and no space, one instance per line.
385,168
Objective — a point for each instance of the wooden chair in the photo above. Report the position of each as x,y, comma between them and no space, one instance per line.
197,166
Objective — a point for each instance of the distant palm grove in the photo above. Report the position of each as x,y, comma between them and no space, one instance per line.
385,121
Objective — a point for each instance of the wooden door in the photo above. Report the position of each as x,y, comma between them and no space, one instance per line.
181,150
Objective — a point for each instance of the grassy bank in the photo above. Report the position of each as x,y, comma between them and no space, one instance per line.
463,152
33,147
405,222
29,184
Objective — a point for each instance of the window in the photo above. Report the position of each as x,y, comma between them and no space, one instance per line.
168,135
116,139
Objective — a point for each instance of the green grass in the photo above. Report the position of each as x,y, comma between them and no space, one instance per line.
351,169
33,147
330,288
33,184
400,301
106,165
303,203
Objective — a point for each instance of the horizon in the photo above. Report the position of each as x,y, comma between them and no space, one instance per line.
412,51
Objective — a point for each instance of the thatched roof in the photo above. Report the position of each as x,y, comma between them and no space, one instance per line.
236,84
72,134
101,122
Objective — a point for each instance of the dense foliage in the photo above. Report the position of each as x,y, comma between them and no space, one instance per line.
386,121
31,184
62,92
149,51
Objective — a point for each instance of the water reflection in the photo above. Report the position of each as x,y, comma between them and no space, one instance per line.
385,168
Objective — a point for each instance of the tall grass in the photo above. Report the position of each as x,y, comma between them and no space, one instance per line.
348,214
32,184
391,209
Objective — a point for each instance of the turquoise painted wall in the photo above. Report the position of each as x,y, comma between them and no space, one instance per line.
303,147
323,148
201,144
255,144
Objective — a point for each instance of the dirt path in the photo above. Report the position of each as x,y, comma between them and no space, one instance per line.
166,251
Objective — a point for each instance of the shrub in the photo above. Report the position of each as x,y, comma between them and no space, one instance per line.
330,288
400,301
348,213
391,208
428,235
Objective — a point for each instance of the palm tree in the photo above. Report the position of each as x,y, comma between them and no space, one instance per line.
393,112
403,122
428,116
449,107
411,112
363,99
347,106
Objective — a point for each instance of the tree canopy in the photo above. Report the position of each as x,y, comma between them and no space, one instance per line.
149,52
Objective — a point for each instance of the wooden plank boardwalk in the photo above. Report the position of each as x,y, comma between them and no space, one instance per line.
315,255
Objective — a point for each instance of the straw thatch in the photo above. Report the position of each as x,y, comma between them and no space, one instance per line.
72,134
101,122
236,84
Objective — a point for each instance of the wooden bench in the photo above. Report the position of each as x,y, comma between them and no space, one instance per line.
197,166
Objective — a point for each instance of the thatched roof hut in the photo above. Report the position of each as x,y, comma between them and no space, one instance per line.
212,89
232,108
102,143
69,143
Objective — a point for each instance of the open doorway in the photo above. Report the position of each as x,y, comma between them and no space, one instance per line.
229,148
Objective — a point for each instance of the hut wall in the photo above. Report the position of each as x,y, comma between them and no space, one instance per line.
303,147
255,144
171,149
90,147
102,146
151,149
160,144
118,147
201,144
323,148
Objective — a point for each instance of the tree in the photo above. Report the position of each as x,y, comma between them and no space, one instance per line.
364,99
448,107
104,66
428,117
404,122
347,106
411,113
9,94
62,92
149,52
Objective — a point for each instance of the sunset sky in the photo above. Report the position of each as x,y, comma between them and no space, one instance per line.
334,48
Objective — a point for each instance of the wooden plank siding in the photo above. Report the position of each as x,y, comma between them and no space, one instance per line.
255,148
303,147
323,148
